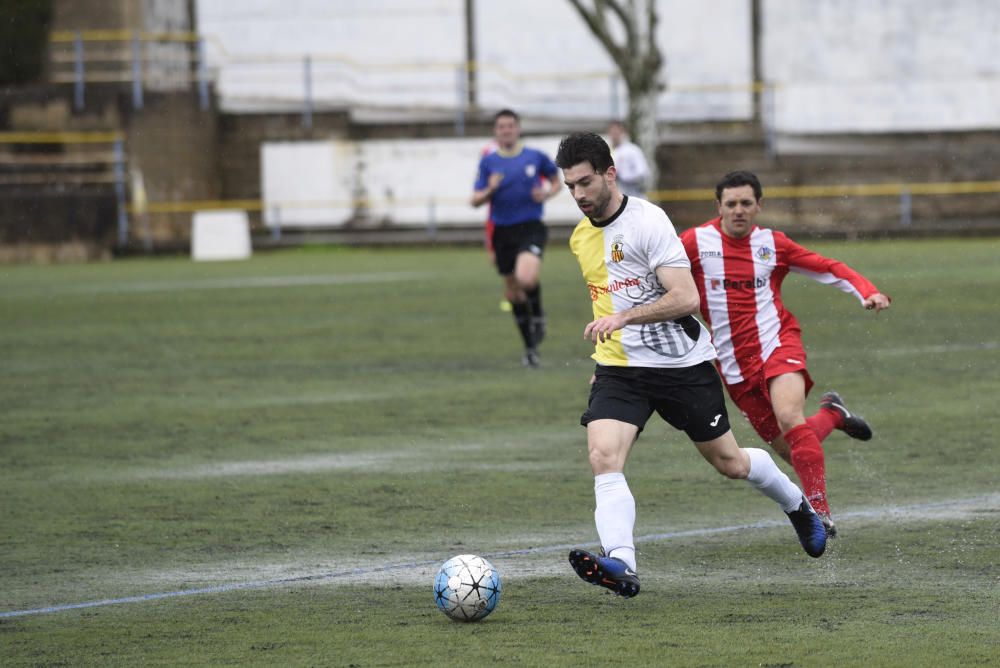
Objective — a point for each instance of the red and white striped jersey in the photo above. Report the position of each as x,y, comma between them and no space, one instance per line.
740,285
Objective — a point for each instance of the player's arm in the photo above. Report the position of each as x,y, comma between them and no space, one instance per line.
551,183
833,272
484,195
555,185
680,300
547,188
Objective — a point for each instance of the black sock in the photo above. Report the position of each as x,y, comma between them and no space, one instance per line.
535,301
522,316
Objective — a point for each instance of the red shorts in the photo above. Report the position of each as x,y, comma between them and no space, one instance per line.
753,398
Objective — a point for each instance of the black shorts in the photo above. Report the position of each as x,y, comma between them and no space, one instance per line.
689,399
509,241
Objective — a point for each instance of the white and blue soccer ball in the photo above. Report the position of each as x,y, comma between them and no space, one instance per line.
467,588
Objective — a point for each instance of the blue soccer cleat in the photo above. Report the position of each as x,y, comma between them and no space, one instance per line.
608,572
810,529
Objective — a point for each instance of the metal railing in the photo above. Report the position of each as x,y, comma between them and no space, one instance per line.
307,82
903,192
168,60
97,159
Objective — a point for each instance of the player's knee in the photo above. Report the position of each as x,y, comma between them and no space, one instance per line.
527,280
788,421
734,468
603,461
788,418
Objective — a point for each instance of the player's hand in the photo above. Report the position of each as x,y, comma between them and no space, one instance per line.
877,302
494,181
539,194
593,378
602,328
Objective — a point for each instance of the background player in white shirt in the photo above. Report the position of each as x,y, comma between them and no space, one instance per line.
633,170
651,354
738,268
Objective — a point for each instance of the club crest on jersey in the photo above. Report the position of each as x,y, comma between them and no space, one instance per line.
764,254
529,171
618,248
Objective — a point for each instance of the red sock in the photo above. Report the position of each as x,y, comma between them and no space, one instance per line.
824,422
809,463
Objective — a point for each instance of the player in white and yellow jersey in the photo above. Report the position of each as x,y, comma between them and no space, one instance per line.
652,355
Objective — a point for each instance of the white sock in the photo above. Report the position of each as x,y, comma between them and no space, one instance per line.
772,481
615,516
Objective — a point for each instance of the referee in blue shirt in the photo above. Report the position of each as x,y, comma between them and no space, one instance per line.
516,180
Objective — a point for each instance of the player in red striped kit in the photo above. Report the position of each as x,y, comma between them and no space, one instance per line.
739,268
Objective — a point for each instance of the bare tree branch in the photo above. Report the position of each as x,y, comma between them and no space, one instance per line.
638,59
624,15
594,18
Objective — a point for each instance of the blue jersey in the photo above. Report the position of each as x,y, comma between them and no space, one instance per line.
522,171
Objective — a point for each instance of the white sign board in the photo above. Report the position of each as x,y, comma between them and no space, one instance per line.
220,235
392,182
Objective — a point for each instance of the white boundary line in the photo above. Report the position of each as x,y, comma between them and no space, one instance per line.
990,500
233,283
896,351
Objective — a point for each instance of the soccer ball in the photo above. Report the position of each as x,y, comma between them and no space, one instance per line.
467,588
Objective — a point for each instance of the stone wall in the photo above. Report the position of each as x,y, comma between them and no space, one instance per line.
840,161
174,145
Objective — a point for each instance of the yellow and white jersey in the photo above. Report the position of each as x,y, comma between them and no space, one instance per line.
619,258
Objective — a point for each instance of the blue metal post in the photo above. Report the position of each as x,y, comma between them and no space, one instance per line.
905,208
202,75
432,219
276,223
136,72
78,72
120,193
307,103
769,121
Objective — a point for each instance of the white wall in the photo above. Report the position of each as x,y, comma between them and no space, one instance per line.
887,66
541,58
404,182
838,65
377,52
537,57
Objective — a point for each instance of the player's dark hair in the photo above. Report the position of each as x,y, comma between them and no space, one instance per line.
738,179
506,112
584,147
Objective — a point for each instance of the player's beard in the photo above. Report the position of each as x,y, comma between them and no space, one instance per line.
602,203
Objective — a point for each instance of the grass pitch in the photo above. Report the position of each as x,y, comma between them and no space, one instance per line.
264,462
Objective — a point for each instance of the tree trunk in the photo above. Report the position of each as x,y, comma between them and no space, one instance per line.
642,126
639,60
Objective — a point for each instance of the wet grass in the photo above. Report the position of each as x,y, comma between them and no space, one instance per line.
165,429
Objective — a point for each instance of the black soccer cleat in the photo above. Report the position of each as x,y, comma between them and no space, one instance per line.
608,572
853,425
810,529
531,358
